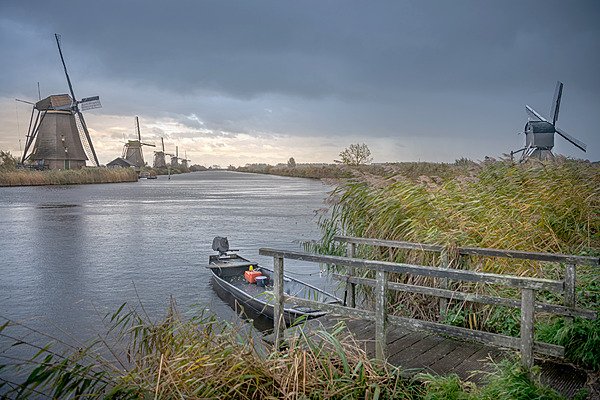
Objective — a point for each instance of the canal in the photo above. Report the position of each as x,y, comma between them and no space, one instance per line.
71,254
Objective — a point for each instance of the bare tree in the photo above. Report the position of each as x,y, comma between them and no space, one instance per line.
356,154
291,163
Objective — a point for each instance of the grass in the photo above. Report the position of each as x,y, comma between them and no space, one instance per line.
203,357
536,207
23,177
508,381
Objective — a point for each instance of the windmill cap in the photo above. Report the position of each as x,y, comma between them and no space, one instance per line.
54,102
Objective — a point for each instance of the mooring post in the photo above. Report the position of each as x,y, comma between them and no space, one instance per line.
278,319
527,321
351,287
570,282
443,284
380,315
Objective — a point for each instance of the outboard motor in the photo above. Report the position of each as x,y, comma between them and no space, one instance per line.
220,244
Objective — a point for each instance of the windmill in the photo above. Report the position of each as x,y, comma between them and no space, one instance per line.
184,161
539,131
159,157
59,137
132,151
175,158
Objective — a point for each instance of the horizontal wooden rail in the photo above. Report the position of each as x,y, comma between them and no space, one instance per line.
400,268
416,324
550,257
471,297
527,285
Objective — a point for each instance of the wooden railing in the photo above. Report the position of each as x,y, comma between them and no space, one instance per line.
527,286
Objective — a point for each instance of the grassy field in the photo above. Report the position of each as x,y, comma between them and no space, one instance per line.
23,177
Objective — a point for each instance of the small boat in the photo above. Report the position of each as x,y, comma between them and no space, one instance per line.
228,276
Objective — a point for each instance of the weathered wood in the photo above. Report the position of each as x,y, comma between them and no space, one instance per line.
527,320
473,297
493,339
570,282
420,325
390,243
443,302
401,268
351,286
278,320
550,257
380,315
525,255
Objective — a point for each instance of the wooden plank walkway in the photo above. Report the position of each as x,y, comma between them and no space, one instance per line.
424,352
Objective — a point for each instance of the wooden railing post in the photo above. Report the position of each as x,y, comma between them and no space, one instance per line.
351,287
570,282
527,321
443,284
278,318
380,315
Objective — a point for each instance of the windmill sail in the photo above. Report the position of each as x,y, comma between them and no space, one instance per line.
90,103
93,102
86,141
575,142
556,102
534,114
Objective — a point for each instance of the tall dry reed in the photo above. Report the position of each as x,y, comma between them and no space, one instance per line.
21,177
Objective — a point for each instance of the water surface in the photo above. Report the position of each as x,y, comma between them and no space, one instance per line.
70,254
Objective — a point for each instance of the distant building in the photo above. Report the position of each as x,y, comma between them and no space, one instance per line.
120,162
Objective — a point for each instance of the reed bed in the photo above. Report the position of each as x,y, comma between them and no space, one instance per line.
537,207
198,359
204,358
21,177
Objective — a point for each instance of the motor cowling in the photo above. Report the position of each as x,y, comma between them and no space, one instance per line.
220,244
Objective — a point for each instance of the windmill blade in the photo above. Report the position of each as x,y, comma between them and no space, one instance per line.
575,142
57,37
25,101
556,102
147,144
89,103
87,140
534,114
32,132
137,128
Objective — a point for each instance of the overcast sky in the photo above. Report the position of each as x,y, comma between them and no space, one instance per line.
236,82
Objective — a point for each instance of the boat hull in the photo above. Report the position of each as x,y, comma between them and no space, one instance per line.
228,283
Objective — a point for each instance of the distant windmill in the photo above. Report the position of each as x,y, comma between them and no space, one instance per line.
184,161
132,151
539,131
159,157
175,158
59,135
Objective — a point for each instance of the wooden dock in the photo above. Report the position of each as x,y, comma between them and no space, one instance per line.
424,352
419,345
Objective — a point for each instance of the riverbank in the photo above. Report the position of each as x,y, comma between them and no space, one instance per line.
551,207
410,170
22,177
203,357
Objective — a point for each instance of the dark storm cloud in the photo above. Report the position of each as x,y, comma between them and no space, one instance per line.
383,68
312,49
